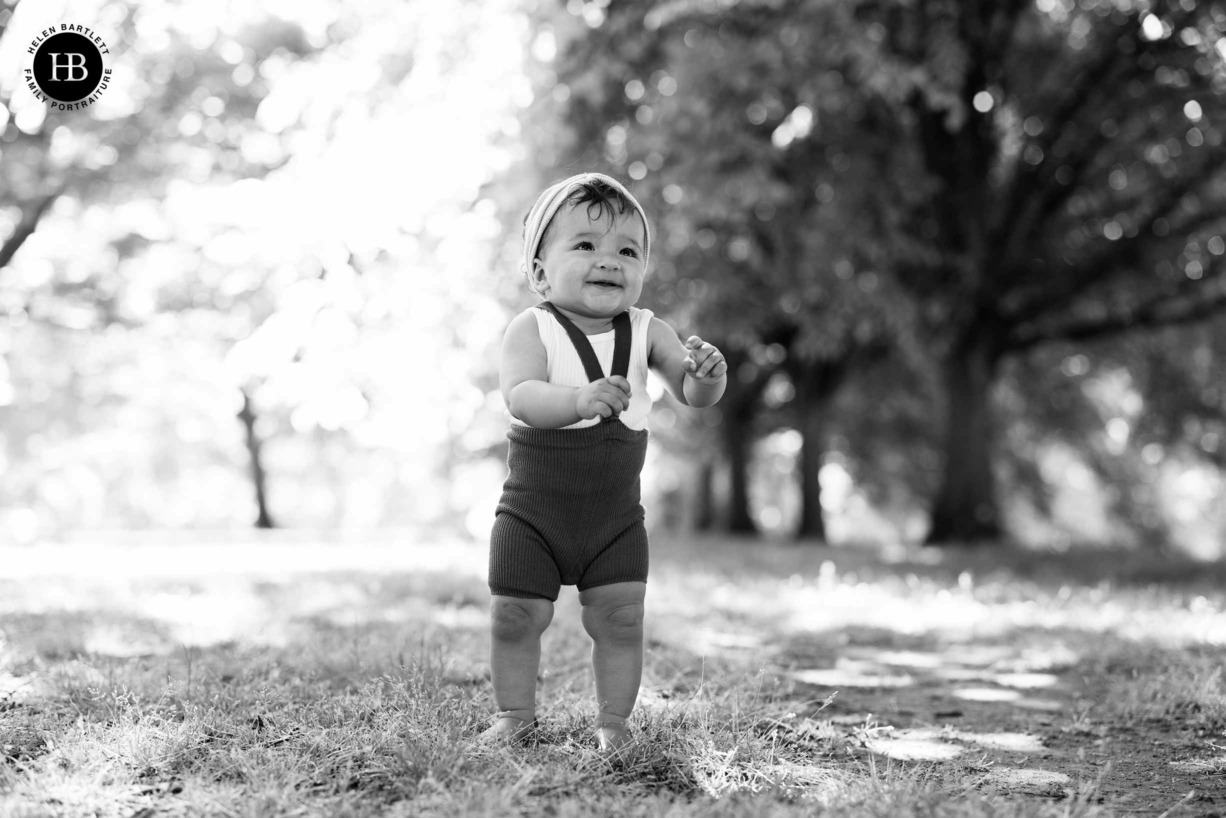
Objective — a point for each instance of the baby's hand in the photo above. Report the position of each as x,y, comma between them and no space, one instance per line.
605,398
705,363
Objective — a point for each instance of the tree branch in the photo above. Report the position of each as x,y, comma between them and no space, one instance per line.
1034,195
26,227
1163,311
1104,264
1077,95
1118,251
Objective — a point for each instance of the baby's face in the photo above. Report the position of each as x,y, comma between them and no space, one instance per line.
592,265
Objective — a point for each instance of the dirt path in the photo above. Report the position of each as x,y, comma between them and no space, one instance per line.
1022,718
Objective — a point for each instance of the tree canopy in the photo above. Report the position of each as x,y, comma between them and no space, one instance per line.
959,183
264,214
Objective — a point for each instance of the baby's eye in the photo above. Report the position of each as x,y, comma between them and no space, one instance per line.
630,251
585,245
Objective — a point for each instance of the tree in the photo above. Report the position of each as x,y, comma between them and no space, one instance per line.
197,118
759,176
255,176
1074,158
1144,418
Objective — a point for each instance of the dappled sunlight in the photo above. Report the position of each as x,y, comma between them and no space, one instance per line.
913,745
985,694
1011,742
468,617
969,662
1026,680
105,638
722,774
938,744
966,663
808,781
847,673
740,701
132,555
708,640
860,667
818,598
16,689
213,615
218,593
910,658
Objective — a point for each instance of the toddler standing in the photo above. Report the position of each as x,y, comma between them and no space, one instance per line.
573,374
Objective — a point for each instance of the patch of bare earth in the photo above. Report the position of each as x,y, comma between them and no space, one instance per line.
1028,718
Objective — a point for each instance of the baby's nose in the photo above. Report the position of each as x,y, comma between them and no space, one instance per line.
610,261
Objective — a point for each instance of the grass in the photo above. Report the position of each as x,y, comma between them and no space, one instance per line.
238,679
1155,684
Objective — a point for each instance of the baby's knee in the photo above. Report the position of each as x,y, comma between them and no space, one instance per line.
512,619
616,624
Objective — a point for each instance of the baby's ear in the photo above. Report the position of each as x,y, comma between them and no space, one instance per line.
537,276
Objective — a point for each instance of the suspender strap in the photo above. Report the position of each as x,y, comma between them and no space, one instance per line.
584,347
621,344
591,365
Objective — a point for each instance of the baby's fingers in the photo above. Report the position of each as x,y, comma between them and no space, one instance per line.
621,383
713,366
621,401
614,398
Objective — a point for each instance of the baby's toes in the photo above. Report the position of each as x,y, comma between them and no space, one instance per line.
612,741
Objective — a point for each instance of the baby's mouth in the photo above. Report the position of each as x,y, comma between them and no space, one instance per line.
606,285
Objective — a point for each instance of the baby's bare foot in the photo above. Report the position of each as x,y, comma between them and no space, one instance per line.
612,738
508,729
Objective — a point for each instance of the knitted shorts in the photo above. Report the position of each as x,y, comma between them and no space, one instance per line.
570,511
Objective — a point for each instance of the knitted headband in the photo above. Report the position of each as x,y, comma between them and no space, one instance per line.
549,202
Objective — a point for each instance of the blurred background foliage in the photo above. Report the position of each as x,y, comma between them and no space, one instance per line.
966,260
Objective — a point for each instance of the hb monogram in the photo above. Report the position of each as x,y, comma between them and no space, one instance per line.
74,63
67,70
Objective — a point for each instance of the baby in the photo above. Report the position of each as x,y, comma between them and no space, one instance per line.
574,376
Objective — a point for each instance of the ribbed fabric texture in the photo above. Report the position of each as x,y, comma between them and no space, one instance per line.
570,512
563,367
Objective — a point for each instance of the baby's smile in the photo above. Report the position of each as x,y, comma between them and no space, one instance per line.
591,265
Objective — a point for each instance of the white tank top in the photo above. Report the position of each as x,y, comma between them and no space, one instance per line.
564,368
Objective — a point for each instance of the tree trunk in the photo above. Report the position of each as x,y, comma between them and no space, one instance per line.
816,385
738,409
736,430
255,449
965,511
704,497
812,429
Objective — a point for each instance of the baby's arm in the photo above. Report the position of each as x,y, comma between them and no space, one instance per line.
694,372
531,398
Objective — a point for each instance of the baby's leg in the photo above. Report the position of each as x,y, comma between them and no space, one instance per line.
613,617
516,626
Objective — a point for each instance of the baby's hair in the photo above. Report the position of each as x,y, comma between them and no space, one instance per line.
604,197
605,200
